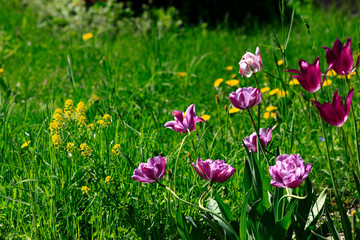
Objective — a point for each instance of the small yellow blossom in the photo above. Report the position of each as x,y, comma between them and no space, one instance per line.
81,121
327,82
109,179
294,82
67,114
70,147
353,212
264,89
206,117
233,75
58,111
181,74
271,108
69,105
274,91
229,68
282,93
107,118
280,62
218,82
116,150
85,189
268,115
87,36
57,117
351,74
56,139
25,144
332,72
101,123
1,70
232,83
54,127
234,110
91,126
81,108
85,150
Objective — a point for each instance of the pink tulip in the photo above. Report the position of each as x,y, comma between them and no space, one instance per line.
245,98
250,63
215,171
151,171
265,139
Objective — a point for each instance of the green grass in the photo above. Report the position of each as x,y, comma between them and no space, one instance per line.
134,77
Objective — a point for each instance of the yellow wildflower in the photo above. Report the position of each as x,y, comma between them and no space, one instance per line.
234,110
91,126
274,91
81,108
101,123
67,114
70,147
56,139
294,82
85,189
282,93
264,89
87,36
181,74
109,179
116,150
107,118
81,121
233,76
268,115
54,127
229,68
206,117
327,82
353,212
218,82
69,105
271,108
25,144
85,150
1,70
351,74
332,72
280,62
232,83
58,111
57,117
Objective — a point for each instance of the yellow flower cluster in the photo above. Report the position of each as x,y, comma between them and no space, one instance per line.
70,147
269,112
55,127
109,179
105,121
116,150
25,144
85,150
85,190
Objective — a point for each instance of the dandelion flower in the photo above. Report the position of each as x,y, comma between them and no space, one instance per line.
274,91
271,108
234,110
268,115
264,89
229,68
282,93
85,190
233,75
1,70
181,74
116,150
25,144
332,73
109,179
232,83
280,62
294,82
87,36
327,82
206,117
218,82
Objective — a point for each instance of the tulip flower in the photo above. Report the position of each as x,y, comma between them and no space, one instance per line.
245,98
215,171
335,113
250,63
289,171
340,58
265,139
309,75
150,172
184,122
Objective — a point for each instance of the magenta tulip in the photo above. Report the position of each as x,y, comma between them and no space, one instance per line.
309,75
184,122
250,63
340,58
289,171
335,113
245,98
215,171
265,139
150,172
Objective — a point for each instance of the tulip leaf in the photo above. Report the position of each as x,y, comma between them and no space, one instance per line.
278,210
225,211
181,225
243,220
331,226
357,184
196,232
289,31
317,208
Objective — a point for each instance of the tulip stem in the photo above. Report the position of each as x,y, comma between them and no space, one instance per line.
355,126
215,213
350,152
256,81
258,137
177,160
176,196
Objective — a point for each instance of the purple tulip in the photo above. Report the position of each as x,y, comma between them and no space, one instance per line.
335,113
309,75
289,171
265,139
250,63
245,98
151,171
184,122
340,58
215,171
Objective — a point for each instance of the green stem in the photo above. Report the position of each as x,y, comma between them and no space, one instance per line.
355,126
176,196
258,137
350,152
177,160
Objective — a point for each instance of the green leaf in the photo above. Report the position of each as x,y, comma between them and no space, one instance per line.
181,225
225,211
243,220
331,226
316,210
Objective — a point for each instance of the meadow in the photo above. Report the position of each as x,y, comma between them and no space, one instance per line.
80,112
